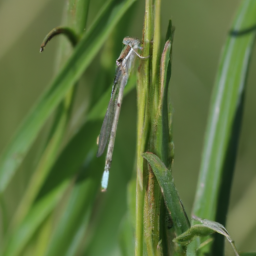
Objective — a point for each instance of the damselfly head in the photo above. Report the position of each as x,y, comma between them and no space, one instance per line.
132,42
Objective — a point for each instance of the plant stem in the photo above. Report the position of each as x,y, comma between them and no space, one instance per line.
142,129
156,53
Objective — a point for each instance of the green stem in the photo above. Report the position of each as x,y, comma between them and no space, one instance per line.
142,129
156,196
140,191
191,249
158,143
156,53
78,15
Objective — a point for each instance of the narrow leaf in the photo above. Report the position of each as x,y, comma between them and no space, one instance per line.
224,122
161,123
201,230
72,157
196,230
103,238
170,194
217,227
79,61
79,205
126,236
68,32
69,162
16,241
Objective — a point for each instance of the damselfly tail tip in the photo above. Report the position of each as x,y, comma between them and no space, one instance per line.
41,49
104,180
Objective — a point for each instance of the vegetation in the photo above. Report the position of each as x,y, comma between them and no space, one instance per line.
61,210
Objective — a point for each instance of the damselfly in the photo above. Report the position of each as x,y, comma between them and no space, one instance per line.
108,130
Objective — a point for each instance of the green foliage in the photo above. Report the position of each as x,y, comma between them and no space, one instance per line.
201,230
224,122
61,211
170,194
83,54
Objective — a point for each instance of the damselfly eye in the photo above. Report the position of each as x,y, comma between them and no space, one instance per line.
132,42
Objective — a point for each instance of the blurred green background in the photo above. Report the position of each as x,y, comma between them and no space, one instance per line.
201,30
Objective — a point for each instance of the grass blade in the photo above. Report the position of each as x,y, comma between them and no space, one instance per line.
62,115
79,61
72,157
224,121
54,187
161,130
79,204
17,240
126,236
113,208
170,194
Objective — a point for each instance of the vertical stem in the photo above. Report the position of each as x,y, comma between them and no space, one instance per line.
82,8
156,52
153,194
142,130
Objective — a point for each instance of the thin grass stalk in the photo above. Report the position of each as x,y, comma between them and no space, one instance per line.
156,55
142,128
153,198
47,159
